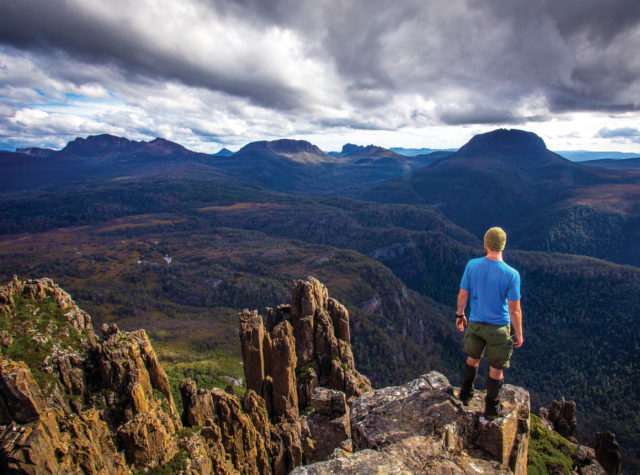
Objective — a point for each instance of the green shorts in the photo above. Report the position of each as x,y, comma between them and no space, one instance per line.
498,339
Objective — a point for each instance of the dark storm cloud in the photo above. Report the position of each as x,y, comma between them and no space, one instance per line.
475,61
478,115
601,21
50,26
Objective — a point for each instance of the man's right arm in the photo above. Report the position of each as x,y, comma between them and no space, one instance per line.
463,298
516,318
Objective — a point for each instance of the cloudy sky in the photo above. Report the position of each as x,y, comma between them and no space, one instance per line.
411,73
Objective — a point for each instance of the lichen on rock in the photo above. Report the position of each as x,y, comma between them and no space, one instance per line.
88,397
82,404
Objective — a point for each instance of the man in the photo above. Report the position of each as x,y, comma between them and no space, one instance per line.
494,290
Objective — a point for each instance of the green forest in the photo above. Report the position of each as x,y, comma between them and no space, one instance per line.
395,267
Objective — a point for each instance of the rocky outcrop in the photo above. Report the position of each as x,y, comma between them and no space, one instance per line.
197,404
96,406
301,359
584,461
312,335
422,428
42,437
365,462
239,436
126,369
240,432
21,398
603,455
104,405
323,342
306,345
560,416
607,452
39,289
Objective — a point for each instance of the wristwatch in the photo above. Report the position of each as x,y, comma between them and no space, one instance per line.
459,316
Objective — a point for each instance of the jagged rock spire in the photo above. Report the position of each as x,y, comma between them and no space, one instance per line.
311,336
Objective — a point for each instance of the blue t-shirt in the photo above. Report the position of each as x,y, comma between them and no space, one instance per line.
490,284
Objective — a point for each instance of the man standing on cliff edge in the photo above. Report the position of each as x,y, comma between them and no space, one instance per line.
494,289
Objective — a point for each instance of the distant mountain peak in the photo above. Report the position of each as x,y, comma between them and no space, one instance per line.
95,143
505,140
285,147
349,148
36,151
224,152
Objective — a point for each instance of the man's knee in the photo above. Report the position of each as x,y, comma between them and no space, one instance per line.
495,373
473,361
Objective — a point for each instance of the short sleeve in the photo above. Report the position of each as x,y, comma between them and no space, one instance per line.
464,284
514,288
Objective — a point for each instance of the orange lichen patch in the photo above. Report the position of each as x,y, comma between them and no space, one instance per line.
243,207
619,195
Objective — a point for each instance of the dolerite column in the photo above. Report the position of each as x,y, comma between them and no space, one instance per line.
283,352
340,319
307,299
252,338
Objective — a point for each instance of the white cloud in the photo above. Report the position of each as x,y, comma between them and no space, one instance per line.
212,73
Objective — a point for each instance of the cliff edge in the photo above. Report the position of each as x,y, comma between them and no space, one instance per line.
73,402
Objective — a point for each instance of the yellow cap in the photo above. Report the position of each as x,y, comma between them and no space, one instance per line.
495,239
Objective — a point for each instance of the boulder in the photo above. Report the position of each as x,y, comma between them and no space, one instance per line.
329,402
583,455
592,469
5,339
19,392
147,439
329,424
561,415
197,404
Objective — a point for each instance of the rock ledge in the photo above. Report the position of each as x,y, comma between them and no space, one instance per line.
421,427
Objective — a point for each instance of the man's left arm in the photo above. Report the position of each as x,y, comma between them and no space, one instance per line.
515,311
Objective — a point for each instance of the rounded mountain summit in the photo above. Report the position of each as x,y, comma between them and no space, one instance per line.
505,141
493,180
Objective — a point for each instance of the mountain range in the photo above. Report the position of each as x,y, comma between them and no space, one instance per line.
388,234
506,177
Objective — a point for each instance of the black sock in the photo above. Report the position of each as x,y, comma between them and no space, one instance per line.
469,377
493,388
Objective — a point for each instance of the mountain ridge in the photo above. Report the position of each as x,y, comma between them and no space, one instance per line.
36,151
509,178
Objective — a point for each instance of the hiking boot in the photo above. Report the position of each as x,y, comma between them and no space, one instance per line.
466,396
492,409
